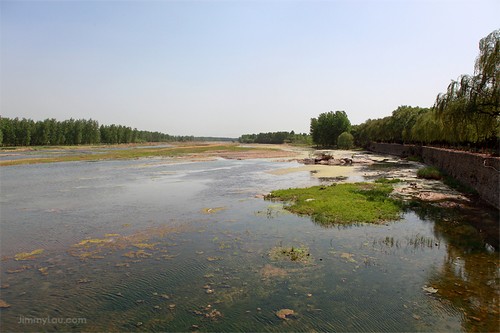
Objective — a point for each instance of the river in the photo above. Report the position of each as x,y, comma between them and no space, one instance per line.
169,245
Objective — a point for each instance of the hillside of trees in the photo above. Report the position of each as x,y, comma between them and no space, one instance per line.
26,132
276,138
467,115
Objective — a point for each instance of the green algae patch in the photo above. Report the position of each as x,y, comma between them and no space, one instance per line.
28,255
283,253
345,203
212,210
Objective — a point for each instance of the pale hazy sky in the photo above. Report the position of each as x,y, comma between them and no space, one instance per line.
225,68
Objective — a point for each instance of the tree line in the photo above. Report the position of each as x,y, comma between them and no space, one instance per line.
276,138
467,114
27,132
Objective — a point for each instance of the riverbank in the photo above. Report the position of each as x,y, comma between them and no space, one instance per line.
192,150
478,171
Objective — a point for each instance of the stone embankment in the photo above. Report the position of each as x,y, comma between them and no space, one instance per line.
479,171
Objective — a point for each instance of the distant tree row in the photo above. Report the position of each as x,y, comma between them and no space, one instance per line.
26,132
276,138
468,114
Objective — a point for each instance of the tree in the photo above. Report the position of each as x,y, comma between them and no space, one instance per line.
328,126
345,141
470,108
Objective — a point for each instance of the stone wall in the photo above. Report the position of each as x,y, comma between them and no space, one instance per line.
481,172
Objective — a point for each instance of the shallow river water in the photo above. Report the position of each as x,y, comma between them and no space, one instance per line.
163,245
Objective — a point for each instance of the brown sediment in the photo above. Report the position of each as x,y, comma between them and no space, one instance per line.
269,271
95,248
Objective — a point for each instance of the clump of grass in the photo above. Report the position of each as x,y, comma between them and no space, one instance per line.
429,172
345,203
388,181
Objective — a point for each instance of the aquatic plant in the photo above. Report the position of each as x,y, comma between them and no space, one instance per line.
342,203
28,255
299,254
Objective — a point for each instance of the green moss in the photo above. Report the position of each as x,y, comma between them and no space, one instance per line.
342,203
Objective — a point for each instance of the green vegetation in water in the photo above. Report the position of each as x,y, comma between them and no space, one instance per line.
299,254
388,181
342,203
28,255
429,173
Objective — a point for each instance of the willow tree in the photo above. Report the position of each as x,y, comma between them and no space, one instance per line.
470,108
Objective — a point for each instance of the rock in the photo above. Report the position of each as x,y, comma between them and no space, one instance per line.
213,315
285,314
430,290
4,304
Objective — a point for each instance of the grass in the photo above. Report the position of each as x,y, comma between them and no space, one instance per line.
342,203
429,172
131,153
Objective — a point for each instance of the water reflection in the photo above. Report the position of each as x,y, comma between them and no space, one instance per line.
469,277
